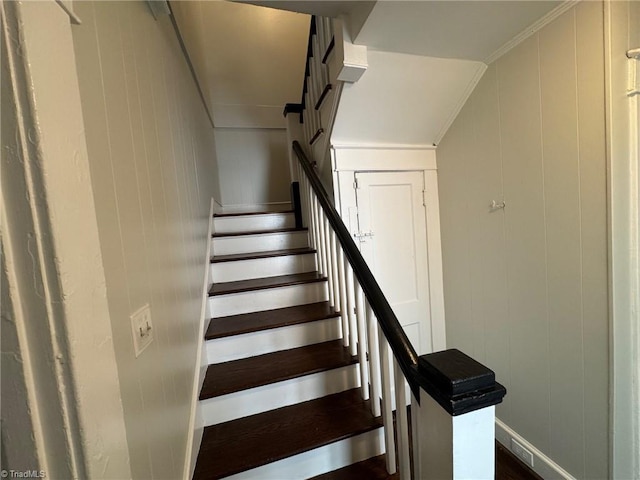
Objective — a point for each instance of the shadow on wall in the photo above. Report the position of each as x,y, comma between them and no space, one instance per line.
254,168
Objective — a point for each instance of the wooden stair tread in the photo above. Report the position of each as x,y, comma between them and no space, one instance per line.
267,319
264,283
256,255
259,232
240,214
238,445
233,376
374,468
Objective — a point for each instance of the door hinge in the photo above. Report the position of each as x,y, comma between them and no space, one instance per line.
424,198
355,184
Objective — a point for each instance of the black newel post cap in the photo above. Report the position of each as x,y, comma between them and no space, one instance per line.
458,382
292,108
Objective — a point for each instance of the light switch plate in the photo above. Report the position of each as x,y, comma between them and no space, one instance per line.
142,329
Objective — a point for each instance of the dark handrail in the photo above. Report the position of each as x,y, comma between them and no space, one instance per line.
401,347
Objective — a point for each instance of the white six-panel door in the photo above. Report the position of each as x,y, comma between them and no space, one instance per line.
393,241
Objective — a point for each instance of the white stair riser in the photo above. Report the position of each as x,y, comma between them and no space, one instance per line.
267,299
321,460
259,243
248,223
277,395
262,267
273,340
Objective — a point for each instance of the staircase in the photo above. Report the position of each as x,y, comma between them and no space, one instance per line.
281,397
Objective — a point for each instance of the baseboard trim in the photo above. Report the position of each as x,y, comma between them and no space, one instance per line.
196,423
542,465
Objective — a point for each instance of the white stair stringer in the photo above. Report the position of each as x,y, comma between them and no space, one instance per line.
251,344
267,299
259,242
262,267
280,394
320,460
246,223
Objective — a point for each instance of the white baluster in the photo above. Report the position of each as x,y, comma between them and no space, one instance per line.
415,437
374,359
361,316
326,236
342,285
404,464
387,407
303,200
336,281
351,316
326,30
319,240
312,218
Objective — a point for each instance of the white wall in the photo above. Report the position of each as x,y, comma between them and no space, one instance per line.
403,99
254,166
526,287
153,171
61,406
249,59
250,63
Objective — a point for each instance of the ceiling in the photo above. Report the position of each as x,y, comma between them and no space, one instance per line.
470,30
250,59
463,29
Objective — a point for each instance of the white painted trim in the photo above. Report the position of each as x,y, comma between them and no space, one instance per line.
463,99
531,30
277,395
217,206
195,419
256,207
434,262
321,460
354,159
387,146
368,158
349,61
542,465
623,205
250,344
268,298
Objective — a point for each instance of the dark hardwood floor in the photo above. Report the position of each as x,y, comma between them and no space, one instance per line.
509,467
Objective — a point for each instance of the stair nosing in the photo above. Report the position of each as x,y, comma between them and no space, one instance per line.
263,327
242,214
238,257
352,360
293,282
259,232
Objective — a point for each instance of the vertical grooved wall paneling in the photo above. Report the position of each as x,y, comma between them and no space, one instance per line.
526,286
153,171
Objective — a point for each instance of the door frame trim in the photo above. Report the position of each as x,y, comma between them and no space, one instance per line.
347,161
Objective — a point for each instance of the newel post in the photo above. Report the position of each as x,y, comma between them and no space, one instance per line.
456,420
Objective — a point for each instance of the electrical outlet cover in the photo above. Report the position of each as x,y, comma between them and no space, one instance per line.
521,452
142,329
